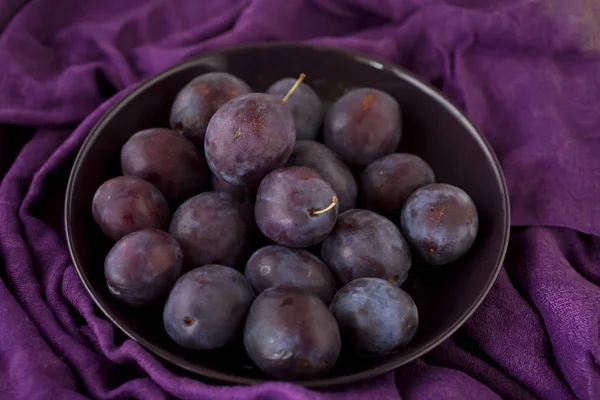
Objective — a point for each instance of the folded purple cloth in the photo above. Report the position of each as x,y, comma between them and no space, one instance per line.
527,72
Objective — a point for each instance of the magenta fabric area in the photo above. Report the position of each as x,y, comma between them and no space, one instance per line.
527,72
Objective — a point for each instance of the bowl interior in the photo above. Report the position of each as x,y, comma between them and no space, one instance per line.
433,129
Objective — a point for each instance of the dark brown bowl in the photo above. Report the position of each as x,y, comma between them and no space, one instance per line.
435,129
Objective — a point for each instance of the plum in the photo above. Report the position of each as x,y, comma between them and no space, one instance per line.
387,182
441,222
249,137
126,204
142,266
305,105
167,160
295,207
290,334
376,317
366,244
207,307
362,126
211,230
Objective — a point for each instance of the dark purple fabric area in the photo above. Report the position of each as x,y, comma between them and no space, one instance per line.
527,73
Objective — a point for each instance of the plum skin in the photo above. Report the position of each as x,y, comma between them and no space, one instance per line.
366,244
207,307
126,204
441,221
142,266
305,105
199,99
242,193
244,196
315,155
167,160
211,230
290,334
289,207
387,182
249,137
278,266
363,125
376,317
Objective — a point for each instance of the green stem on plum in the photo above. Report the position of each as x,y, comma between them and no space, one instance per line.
298,82
334,202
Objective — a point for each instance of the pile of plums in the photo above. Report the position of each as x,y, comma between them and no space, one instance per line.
298,246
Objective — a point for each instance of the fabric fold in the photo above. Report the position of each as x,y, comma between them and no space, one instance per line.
527,72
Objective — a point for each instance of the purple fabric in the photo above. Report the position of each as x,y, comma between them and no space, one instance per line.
526,71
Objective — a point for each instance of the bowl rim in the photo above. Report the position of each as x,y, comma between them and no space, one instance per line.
354,55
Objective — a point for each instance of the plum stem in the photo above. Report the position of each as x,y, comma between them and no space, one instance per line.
334,202
293,88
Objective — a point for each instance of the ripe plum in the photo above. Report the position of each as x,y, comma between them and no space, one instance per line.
441,222
376,317
142,266
305,105
290,334
126,204
167,160
207,307
362,126
249,137
365,244
210,229
295,207
387,182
